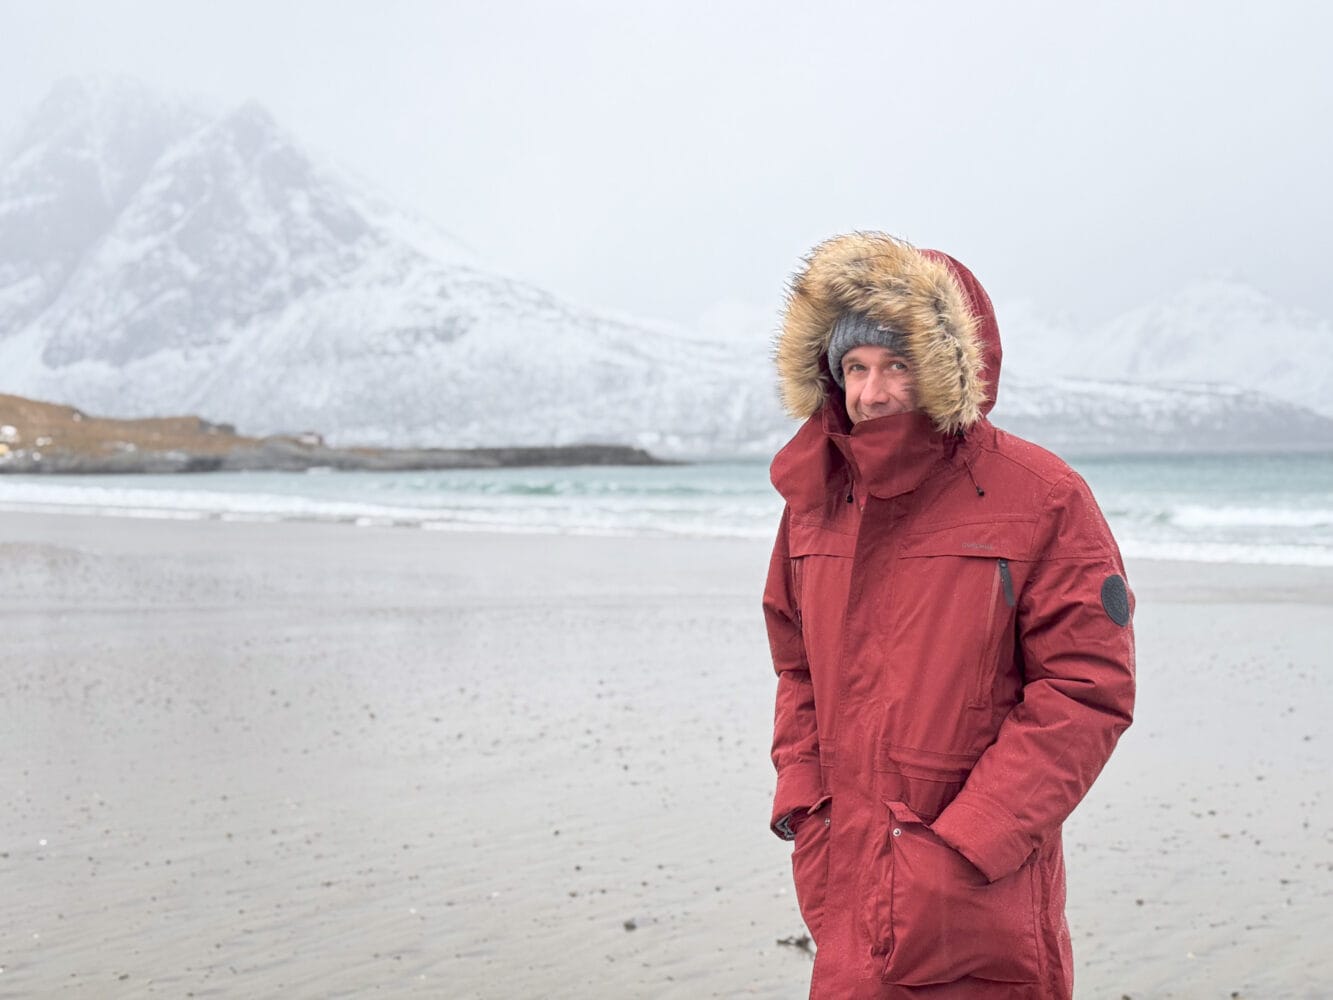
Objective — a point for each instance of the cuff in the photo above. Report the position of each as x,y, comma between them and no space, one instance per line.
798,789
985,833
788,826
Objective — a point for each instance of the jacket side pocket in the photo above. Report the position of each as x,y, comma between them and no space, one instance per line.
946,921
809,865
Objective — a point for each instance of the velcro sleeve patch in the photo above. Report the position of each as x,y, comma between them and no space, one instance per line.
1115,599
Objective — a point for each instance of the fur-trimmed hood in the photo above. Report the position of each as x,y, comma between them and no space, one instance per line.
943,312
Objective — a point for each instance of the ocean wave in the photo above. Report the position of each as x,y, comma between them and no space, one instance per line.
1151,508
1227,552
531,513
1199,516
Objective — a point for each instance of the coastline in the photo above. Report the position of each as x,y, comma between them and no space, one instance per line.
261,758
283,454
41,438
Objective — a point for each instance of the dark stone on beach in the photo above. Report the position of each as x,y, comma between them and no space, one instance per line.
800,943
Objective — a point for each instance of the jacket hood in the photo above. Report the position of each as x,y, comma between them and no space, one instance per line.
939,307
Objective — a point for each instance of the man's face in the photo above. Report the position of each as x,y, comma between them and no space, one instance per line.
879,383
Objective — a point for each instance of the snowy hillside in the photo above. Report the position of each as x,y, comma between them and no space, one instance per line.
1085,416
1216,331
158,258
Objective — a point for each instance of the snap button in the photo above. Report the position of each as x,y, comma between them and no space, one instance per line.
897,832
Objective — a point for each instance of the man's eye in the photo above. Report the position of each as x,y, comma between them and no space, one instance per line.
899,366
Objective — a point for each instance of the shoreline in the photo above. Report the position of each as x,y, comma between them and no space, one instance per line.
438,520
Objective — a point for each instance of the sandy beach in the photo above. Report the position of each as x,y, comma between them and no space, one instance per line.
316,760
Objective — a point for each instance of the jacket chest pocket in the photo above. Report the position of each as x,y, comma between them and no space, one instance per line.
820,569
964,585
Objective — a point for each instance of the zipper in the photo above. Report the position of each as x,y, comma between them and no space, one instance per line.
1007,581
796,573
979,689
1003,584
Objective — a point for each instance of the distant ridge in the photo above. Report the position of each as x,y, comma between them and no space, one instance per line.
1215,330
1091,417
37,437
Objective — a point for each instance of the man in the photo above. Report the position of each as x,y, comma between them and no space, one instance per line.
950,626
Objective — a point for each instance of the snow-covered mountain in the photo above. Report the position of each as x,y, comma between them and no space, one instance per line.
1087,416
1217,330
157,257
65,180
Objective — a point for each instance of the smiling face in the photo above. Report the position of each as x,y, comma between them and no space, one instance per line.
879,383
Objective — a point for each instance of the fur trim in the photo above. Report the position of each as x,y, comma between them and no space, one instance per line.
894,283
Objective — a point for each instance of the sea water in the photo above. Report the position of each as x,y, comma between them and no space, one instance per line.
1215,508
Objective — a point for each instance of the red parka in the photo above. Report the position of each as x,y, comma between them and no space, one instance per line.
950,626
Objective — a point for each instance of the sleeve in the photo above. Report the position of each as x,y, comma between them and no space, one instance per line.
795,734
1077,644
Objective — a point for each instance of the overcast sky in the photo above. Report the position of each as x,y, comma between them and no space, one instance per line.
660,158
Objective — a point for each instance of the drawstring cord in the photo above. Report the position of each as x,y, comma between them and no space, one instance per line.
967,464
975,485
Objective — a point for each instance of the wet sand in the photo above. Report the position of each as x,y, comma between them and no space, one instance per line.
310,760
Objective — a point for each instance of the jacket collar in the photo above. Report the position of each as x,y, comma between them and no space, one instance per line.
885,457
890,456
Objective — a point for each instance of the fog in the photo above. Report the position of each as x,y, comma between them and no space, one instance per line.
676,160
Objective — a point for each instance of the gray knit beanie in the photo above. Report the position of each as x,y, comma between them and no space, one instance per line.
853,330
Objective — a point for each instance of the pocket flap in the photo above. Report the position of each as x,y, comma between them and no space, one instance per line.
927,764
1009,539
904,813
814,540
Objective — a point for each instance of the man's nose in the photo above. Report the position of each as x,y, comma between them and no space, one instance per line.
876,387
